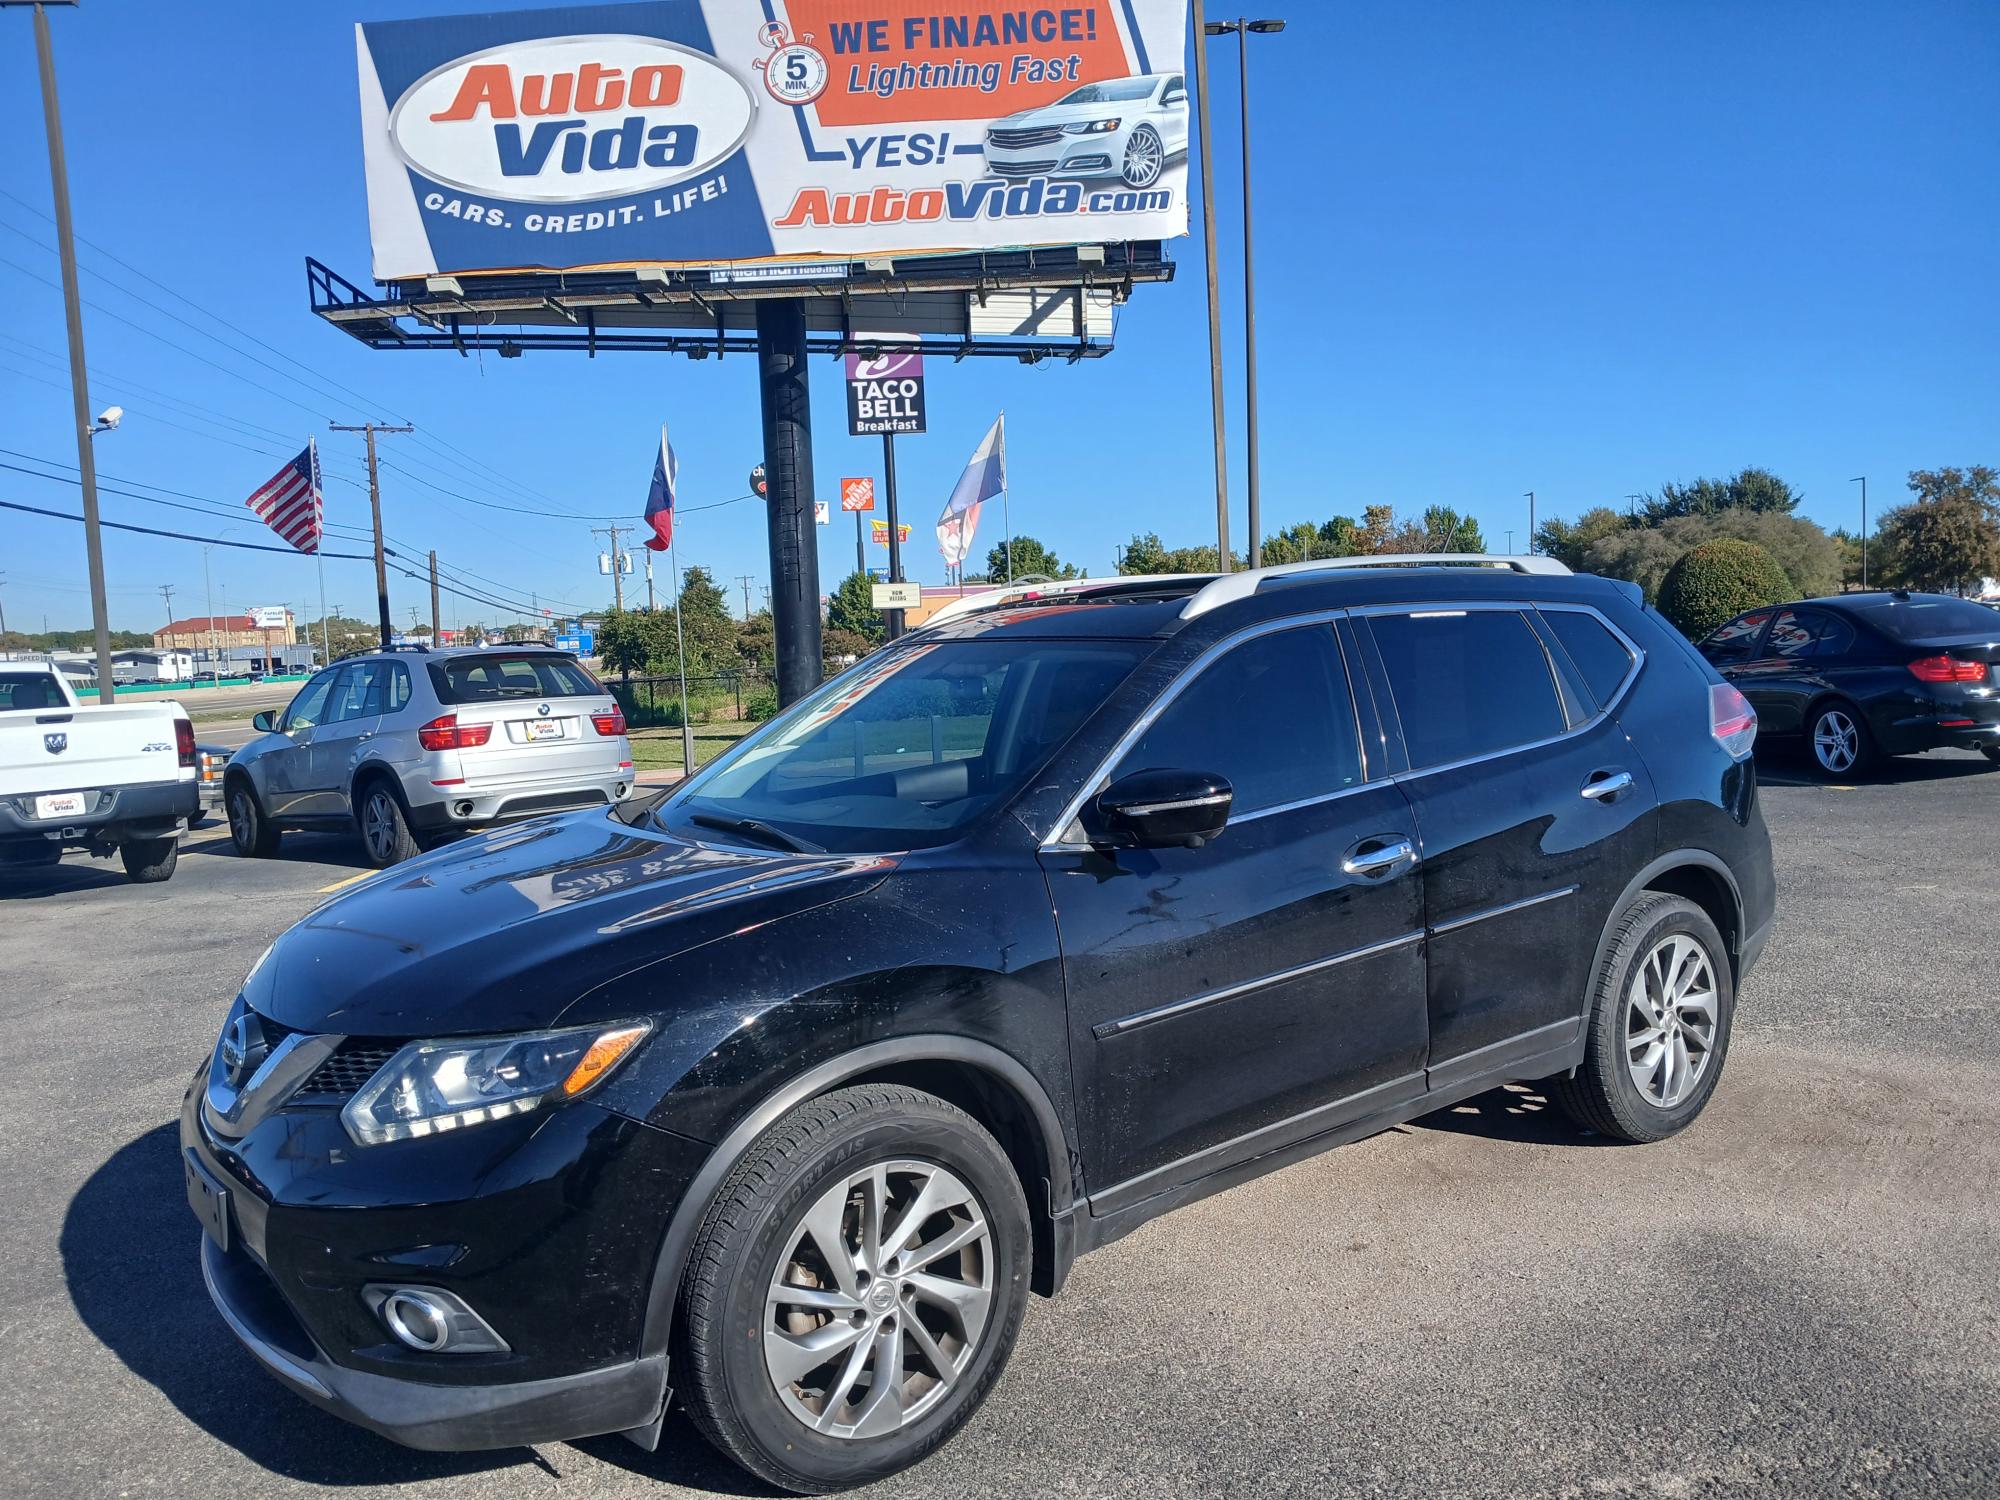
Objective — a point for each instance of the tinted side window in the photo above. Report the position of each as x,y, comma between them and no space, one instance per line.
1273,716
399,687
1792,633
1602,658
1467,683
1736,640
1836,638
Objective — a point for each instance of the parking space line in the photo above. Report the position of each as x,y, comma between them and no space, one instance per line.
340,885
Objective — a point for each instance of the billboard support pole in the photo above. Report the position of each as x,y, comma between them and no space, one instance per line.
787,408
895,540
860,548
1220,415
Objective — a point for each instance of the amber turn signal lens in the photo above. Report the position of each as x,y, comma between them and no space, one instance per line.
599,1059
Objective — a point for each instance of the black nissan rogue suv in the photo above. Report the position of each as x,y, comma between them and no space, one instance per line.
786,1086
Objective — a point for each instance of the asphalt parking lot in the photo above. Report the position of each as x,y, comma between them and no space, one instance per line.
1799,1296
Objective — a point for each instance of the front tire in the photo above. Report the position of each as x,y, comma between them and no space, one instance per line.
1659,1024
855,1290
1838,742
249,830
385,829
1145,158
149,861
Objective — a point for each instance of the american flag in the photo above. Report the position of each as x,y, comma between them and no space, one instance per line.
289,501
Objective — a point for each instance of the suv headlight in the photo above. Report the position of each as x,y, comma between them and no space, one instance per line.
1092,127
430,1087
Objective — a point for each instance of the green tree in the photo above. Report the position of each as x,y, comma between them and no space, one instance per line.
757,641
1719,580
1445,530
1145,555
1031,560
1810,558
1568,541
1748,489
851,608
709,627
637,640
1948,538
839,649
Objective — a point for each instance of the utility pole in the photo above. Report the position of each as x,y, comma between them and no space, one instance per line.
746,579
166,594
93,543
437,619
1862,480
375,509
1220,417
617,562
1531,520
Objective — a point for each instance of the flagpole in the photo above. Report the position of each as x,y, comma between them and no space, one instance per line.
680,650
1006,511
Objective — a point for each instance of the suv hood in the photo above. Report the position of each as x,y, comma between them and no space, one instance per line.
506,931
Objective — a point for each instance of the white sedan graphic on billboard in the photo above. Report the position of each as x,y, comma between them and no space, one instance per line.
1128,128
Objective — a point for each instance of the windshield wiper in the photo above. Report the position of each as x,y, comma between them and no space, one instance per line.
777,838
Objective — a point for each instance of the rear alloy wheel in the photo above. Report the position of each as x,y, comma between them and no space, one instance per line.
148,861
385,831
1145,158
1839,738
855,1289
1659,1024
249,830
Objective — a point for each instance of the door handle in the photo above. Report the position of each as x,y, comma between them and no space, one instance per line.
1379,855
1607,786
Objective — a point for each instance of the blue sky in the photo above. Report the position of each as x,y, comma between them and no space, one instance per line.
1578,248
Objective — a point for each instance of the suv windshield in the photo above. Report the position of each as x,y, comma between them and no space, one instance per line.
490,677
909,747
1927,617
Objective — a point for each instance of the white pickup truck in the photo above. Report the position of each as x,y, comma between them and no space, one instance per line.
117,776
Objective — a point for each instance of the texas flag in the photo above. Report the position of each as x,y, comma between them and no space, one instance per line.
984,477
660,503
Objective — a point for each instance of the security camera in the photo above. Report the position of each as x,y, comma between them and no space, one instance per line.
109,418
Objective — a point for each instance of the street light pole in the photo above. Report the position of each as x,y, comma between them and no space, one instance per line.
1220,414
1241,29
1531,521
1862,480
93,542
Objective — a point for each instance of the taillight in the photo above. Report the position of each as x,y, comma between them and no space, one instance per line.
609,724
1948,669
446,733
1731,719
184,741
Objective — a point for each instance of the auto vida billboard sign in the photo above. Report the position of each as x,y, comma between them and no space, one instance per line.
717,131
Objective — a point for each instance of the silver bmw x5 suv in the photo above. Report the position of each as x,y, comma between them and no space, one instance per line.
409,744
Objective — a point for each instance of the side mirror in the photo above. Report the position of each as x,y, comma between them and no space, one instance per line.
1165,809
261,721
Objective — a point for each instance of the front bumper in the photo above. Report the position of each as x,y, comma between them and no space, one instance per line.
1080,156
147,810
550,1229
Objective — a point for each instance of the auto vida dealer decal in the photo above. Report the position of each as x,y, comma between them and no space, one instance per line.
712,131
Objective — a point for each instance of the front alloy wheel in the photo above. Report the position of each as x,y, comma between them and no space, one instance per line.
1145,158
877,1306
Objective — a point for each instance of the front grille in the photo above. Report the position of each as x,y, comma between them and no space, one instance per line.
1015,139
347,1070
1020,168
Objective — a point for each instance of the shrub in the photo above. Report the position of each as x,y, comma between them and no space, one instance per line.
1719,580
760,704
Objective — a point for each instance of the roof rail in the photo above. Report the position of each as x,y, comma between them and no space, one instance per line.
1231,587
395,646
1022,590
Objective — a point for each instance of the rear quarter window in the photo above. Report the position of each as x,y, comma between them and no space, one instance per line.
1467,683
1604,660
498,678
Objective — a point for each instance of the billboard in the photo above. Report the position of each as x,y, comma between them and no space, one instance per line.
709,132
270,617
885,394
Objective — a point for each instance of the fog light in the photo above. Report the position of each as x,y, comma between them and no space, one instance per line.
417,1321
433,1321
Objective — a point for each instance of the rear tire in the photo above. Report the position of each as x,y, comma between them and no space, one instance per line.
149,861
1659,1024
385,828
249,830
938,1301
1838,743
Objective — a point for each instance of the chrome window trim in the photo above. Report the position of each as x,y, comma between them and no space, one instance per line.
1124,1024
1519,606
1500,911
1055,842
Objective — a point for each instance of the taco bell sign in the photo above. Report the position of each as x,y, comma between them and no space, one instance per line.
885,395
